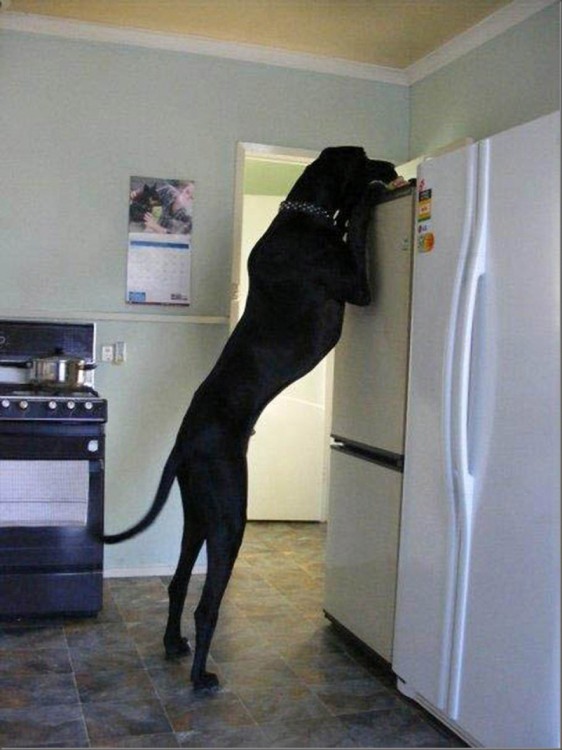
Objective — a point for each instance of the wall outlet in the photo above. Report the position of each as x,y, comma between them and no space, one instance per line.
107,353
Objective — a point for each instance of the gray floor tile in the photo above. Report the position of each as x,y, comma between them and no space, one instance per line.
288,678
250,736
311,733
57,726
107,722
282,703
25,690
145,740
35,661
329,669
257,673
114,686
208,713
355,696
31,637
397,727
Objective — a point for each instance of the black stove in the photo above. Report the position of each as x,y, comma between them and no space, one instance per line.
52,448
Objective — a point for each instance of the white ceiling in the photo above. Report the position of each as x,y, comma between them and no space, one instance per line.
393,33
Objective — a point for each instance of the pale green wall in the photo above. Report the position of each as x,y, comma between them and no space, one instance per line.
77,119
509,80
270,177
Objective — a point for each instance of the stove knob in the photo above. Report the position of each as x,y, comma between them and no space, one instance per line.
23,405
88,406
5,403
70,405
52,405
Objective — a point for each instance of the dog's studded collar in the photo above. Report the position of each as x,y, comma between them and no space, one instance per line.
307,208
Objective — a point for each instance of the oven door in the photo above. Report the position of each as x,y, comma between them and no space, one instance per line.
51,517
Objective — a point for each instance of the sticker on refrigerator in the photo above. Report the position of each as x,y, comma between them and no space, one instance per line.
424,205
425,240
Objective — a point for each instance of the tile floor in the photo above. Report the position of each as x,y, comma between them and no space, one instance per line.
288,678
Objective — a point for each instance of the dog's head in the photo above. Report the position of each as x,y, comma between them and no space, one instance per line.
347,172
359,178
338,179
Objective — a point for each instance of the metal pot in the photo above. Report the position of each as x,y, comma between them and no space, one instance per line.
60,371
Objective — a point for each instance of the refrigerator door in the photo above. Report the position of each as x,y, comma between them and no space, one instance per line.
429,547
371,359
506,688
362,548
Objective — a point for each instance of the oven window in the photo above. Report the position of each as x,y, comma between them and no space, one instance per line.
44,493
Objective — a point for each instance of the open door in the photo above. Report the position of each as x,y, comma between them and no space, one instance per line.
288,455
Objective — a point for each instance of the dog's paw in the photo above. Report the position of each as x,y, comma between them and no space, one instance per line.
208,682
177,648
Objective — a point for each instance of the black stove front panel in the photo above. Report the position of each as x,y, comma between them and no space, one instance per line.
21,340
28,405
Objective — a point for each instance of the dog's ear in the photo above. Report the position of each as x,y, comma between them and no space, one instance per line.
357,230
377,174
381,171
356,241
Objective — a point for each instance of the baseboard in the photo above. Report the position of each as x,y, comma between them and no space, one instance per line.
148,571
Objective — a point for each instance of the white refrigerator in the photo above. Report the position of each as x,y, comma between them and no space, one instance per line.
477,624
368,416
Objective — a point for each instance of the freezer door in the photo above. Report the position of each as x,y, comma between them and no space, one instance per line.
509,669
371,359
362,548
429,525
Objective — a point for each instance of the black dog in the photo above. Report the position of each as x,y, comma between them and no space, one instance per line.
143,203
307,265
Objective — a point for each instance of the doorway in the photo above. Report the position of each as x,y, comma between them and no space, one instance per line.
288,455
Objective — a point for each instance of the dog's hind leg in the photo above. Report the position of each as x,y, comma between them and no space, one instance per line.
174,644
224,483
221,556
192,541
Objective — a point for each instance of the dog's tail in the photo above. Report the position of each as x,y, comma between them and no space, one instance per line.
166,481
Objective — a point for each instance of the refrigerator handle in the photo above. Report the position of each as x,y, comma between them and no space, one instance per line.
463,478
475,269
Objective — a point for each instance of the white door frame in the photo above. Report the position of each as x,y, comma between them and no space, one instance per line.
290,155
268,153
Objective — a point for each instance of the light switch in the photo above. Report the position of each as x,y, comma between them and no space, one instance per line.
120,352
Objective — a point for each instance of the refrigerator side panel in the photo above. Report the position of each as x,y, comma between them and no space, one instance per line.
428,539
510,673
371,359
362,549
